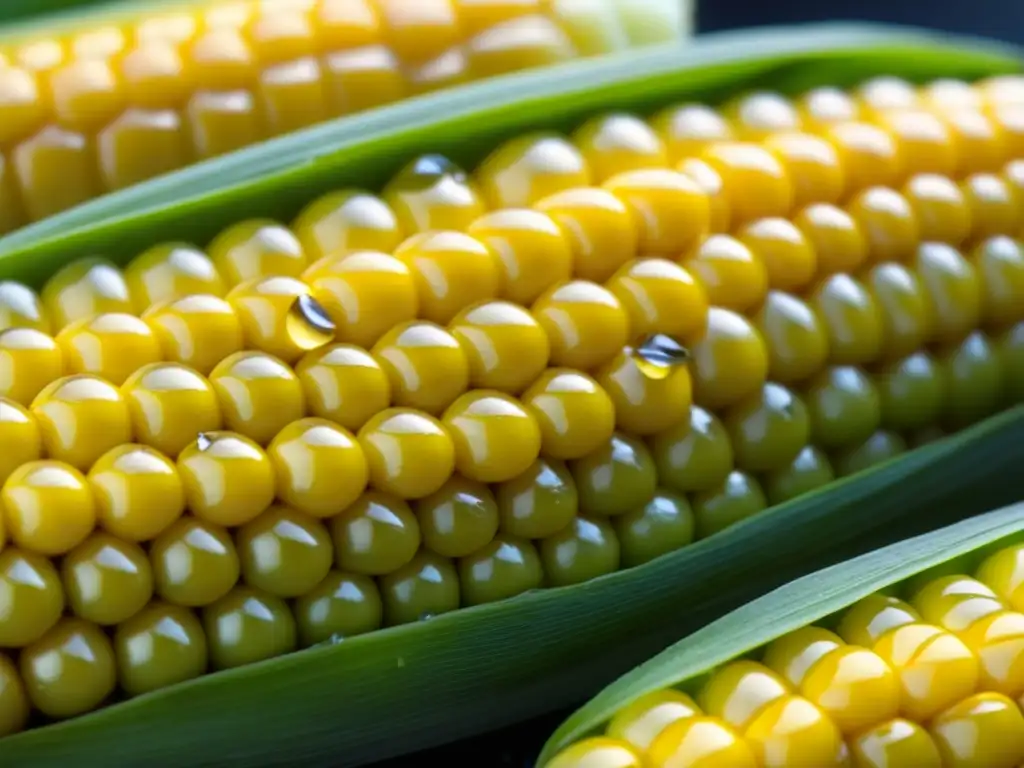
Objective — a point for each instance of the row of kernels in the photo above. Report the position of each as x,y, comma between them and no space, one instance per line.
114,111
929,683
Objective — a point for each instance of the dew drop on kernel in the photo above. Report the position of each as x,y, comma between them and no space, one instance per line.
426,171
658,354
308,325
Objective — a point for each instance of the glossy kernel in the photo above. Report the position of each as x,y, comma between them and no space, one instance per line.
168,272
198,330
660,297
600,229
664,524
999,262
426,365
111,346
699,742
427,586
14,703
844,406
349,220
494,436
761,113
794,726
881,446
737,692
21,307
70,670
22,442
256,249
107,580
451,271
795,337
695,454
854,687
575,414
138,492
615,479
785,251
583,550
619,142
585,323
852,319
895,743
687,129
671,210
169,405
812,164
837,239
32,595
228,479
641,722
769,429
194,563
284,552
409,454
160,646
729,360
259,395
923,139
343,384
869,155
246,626
809,471
342,605
738,497
974,380
985,729
432,193
458,519
888,222
708,179
942,210
599,752
524,170
365,293
995,205
756,183
954,289
647,398
539,502
912,392
85,288
29,360
319,467
731,275
280,316
922,656
826,105
905,308
48,507
503,569
533,252
505,346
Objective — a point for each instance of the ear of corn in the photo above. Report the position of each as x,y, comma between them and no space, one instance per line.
906,657
128,93
523,422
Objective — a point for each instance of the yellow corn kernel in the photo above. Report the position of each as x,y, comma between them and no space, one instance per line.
985,729
700,742
641,722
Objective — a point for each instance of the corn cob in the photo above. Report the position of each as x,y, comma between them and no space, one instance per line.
926,673
589,352
102,107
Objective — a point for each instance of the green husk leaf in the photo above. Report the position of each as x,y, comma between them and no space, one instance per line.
400,690
797,604
276,178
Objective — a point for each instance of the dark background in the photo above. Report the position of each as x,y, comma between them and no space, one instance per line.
1001,19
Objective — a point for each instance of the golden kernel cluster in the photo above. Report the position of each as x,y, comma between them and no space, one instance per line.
592,350
932,680
104,107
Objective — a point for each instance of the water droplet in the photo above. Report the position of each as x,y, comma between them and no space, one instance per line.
658,354
427,616
334,639
426,171
308,325
204,441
